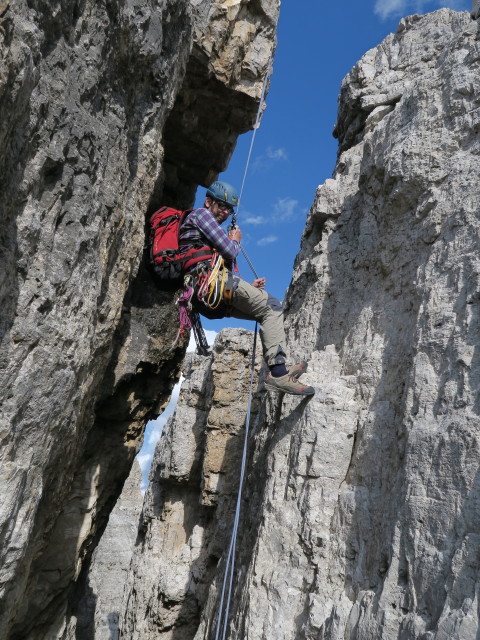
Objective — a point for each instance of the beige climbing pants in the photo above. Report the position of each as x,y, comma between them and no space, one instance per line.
250,303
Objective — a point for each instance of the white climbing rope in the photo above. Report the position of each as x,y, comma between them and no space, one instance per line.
222,619
255,127
230,563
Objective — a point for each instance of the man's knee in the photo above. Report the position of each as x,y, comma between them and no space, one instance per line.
274,303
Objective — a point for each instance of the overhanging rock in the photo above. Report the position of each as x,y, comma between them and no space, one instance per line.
88,90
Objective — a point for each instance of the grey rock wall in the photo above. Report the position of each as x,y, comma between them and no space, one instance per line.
361,515
96,101
101,586
475,8
371,530
189,504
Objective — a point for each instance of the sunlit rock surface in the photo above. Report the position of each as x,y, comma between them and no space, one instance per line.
104,105
101,586
188,508
361,516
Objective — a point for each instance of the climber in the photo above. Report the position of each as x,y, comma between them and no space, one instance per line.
238,298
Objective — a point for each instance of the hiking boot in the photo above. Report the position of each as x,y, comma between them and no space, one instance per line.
296,370
288,384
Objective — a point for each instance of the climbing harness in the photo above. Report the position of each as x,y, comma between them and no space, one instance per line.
225,599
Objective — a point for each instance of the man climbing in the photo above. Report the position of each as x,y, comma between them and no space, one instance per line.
234,296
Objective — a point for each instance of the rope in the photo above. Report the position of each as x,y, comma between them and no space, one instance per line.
255,127
216,292
184,304
249,262
230,564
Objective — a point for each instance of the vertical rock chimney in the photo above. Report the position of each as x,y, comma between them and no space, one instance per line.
475,9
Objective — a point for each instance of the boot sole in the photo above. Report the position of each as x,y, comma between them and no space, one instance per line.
291,393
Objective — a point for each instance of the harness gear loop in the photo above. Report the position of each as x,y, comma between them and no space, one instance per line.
190,319
184,304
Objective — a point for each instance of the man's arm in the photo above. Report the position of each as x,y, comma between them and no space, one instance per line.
217,237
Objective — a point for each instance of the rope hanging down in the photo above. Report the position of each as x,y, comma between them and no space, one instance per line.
225,599
230,563
255,127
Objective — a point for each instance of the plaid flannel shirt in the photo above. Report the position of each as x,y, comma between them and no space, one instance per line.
200,227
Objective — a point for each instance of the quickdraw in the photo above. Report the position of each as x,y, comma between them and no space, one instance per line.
190,319
184,304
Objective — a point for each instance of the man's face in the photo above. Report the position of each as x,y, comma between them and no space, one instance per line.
220,210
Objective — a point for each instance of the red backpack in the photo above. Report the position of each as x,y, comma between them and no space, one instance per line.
169,264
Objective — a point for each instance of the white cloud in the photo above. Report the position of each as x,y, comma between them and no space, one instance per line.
267,240
156,432
284,209
268,158
391,8
254,220
386,8
276,154
144,460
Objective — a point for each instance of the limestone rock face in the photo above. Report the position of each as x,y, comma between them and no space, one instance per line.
361,517
100,589
371,529
188,507
98,127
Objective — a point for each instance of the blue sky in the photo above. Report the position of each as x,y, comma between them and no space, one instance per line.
294,152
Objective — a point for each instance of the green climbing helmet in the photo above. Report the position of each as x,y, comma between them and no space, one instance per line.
223,191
